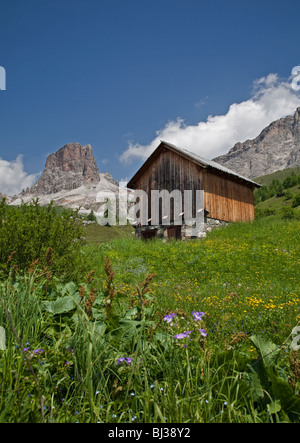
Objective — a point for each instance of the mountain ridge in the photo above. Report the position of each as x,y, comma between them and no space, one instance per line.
277,147
70,179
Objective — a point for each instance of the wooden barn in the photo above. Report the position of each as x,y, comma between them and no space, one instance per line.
227,196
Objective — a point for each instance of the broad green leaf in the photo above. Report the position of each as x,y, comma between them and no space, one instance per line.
252,381
99,329
267,349
274,407
284,392
61,305
70,288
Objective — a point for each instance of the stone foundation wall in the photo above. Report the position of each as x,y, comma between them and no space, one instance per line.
181,232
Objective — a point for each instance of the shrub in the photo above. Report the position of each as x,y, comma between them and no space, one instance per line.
287,212
296,200
45,236
259,213
91,216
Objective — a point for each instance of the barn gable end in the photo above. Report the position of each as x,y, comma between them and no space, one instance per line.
228,197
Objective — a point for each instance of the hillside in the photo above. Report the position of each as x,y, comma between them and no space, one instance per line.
279,194
277,175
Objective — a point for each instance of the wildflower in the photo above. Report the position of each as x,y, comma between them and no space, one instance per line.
203,332
36,351
198,315
182,335
128,360
169,318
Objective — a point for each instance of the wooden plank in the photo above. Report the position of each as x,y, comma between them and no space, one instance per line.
224,198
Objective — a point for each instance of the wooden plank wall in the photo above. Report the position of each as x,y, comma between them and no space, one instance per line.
225,199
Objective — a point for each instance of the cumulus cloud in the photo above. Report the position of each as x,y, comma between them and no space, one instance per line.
13,178
272,98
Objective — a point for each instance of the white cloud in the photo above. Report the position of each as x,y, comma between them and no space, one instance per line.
271,99
13,178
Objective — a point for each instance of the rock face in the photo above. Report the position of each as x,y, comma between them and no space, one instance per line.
277,147
71,179
69,168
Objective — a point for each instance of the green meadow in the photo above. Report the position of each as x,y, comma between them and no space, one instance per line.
98,326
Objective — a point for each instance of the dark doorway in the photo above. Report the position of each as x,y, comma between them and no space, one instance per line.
174,232
149,234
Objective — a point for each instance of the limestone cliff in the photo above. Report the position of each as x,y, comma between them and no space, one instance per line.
277,147
69,168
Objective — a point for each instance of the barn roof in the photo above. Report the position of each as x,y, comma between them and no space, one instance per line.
190,156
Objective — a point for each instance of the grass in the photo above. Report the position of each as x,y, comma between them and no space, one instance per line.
278,175
239,274
96,234
279,195
277,203
64,342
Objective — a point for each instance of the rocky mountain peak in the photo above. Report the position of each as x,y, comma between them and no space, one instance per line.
71,179
277,147
69,168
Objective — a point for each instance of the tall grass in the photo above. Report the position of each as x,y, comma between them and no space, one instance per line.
102,349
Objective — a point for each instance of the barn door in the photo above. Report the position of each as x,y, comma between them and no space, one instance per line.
149,234
174,232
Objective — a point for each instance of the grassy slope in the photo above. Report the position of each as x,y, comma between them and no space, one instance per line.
96,234
277,203
245,276
278,175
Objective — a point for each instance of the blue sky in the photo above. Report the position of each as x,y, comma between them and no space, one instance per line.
122,74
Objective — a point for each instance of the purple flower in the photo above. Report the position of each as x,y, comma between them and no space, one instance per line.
203,332
36,351
198,315
169,318
123,359
182,335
